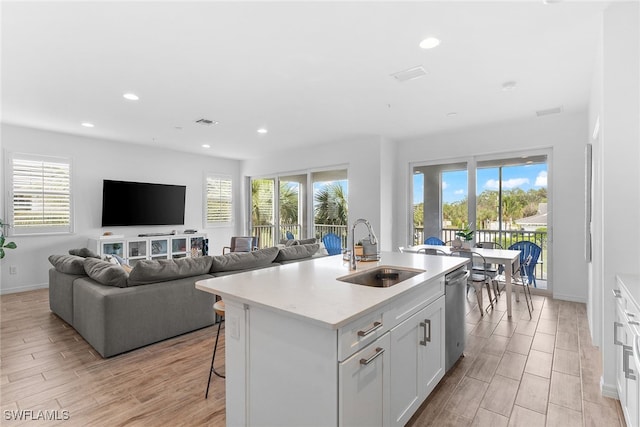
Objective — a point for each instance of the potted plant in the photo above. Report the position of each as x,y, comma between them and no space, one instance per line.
3,243
359,248
465,236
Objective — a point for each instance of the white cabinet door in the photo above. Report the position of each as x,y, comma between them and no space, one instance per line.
619,343
417,360
433,366
364,386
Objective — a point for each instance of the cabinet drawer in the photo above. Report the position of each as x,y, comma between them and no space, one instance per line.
359,333
403,308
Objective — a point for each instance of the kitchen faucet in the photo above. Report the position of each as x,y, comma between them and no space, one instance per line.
372,239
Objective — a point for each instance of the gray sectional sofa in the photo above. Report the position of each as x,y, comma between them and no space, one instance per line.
116,310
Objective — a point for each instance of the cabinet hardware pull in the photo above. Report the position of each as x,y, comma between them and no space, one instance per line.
425,339
617,293
616,341
375,327
633,322
628,372
379,351
629,314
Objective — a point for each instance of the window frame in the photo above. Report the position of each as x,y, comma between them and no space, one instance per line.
218,177
14,230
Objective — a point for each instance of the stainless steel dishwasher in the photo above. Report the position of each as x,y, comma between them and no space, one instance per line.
455,289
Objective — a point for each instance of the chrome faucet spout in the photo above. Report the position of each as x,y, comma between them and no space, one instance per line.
372,239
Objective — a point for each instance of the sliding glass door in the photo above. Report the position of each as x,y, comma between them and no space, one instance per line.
281,209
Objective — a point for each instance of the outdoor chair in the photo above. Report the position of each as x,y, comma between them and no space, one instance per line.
433,241
332,243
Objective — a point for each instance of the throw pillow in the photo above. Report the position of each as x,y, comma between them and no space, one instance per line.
151,271
244,260
297,252
306,241
106,273
70,264
84,253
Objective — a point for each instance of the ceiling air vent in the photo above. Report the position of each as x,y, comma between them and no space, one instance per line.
410,74
206,122
549,111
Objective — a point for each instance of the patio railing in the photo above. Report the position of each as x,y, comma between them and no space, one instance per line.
505,238
266,233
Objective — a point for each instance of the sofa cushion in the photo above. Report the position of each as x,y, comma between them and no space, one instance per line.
84,253
70,264
306,241
297,252
244,260
106,273
161,270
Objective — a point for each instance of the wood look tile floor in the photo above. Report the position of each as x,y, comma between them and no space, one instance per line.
516,372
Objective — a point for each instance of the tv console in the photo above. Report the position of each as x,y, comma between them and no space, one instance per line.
151,246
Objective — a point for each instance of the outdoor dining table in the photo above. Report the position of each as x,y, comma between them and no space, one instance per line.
504,257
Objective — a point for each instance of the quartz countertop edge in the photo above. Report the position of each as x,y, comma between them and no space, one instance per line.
309,290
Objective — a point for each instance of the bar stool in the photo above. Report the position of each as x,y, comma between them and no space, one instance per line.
218,307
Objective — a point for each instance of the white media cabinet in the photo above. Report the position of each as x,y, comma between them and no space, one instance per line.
133,249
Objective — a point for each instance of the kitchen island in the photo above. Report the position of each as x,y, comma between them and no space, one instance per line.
304,348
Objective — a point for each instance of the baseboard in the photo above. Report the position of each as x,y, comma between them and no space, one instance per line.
4,291
571,298
608,390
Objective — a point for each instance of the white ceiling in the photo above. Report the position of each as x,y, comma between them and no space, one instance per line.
309,72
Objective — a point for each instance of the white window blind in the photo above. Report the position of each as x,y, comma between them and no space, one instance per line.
40,194
219,200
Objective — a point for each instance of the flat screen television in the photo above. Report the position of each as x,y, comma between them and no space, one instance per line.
141,203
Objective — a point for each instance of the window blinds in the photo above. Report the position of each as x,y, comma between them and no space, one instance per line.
219,200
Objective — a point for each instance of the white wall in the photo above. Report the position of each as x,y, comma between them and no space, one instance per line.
617,100
92,161
362,157
566,135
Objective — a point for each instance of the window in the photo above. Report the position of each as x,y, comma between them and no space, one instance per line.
219,200
39,194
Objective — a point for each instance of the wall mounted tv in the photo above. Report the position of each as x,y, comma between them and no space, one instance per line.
140,203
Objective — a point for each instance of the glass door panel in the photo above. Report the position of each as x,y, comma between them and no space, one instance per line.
291,206
330,207
263,201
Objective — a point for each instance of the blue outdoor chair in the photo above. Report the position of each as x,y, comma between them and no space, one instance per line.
332,243
527,264
433,241
289,235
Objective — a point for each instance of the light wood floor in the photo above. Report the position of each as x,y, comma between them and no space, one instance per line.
516,372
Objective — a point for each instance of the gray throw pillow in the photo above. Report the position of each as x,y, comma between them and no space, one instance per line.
161,270
244,260
297,252
106,273
70,264
84,253
306,241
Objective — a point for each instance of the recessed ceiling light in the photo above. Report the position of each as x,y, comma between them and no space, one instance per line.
429,43
131,96
206,146
262,130
88,125
452,114
507,86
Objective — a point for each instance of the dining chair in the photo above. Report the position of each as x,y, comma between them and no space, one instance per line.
527,248
242,244
490,269
332,243
431,251
433,241
478,278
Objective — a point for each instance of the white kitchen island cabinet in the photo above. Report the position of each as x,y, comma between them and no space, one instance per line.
305,349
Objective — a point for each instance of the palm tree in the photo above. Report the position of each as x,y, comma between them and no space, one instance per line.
331,205
262,201
288,203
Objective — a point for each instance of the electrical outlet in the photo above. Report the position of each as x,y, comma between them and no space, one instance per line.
13,269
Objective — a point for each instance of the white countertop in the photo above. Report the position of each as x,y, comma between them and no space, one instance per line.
308,290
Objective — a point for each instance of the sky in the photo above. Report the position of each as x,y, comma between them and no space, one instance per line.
454,183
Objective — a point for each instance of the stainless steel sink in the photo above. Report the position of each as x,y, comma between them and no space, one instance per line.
381,277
